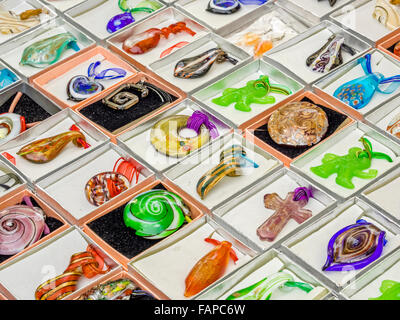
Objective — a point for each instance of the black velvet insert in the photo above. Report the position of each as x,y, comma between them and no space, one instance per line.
111,228
391,49
27,108
112,119
52,223
335,119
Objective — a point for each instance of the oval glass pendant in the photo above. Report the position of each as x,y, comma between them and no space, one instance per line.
119,21
223,6
81,87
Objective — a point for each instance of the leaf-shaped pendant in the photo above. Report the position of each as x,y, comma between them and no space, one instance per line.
198,66
48,51
45,150
354,246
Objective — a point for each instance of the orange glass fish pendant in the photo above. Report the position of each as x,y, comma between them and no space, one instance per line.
45,150
209,268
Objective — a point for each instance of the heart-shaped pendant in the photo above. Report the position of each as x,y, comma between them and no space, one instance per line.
119,21
81,87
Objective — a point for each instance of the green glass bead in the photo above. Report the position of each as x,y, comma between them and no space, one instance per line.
155,214
48,51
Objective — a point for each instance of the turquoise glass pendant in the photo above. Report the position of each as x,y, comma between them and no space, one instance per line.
358,93
48,51
6,78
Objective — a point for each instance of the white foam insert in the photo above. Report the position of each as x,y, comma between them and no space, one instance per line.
318,8
371,290
154,54
347,142
313,248
69,191
384,122
14,56
63,5
265,26
228,185
58,86
9,183
251,213
69,152
236,116
361,20
216,21
271,267
141,145
167,71
162,269
379,63
95,20
18,9
23,277
383,196
303,49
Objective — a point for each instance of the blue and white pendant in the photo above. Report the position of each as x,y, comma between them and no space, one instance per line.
223,6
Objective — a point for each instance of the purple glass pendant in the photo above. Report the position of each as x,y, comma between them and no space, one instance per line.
81,87
119,21
354,247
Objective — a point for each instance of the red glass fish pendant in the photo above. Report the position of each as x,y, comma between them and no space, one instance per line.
149,39
45,150
209,268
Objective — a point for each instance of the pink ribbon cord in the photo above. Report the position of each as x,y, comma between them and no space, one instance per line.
28,202
169,50
197,119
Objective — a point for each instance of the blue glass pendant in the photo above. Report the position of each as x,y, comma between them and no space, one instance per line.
6,78
358,93
119,21
81,87
223,6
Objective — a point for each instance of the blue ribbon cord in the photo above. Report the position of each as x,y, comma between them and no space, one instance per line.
394,80
118,72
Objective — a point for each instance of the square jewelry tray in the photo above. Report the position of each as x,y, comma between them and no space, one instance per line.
162,19
239,78
308,43
11,51
56,124
309,245
19,6
357,16
367,285
93,16
380,62
164,67
380,195
20,277
186,174
186,246
244,214
66,188
197,10
266,264
137,140
342,141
